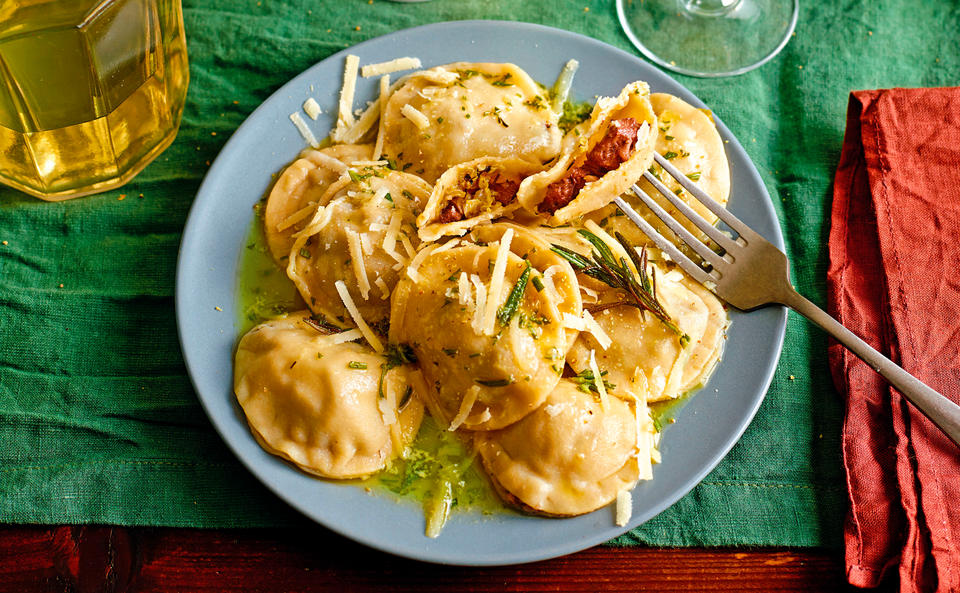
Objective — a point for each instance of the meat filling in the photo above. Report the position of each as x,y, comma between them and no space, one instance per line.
477,192
616,146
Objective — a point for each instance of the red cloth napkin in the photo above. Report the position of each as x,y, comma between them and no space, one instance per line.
894,279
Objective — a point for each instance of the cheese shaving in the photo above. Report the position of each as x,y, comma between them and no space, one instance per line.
394,65
550,290
345,118
466,404
366,243
414,266
481,292
446,246
359,267
416,116
496,283
571,321
407,245
326,160
598,382
304,129
463,289
347,336
594,328
384,91
357,318
390,239
384,289
296,217
312,108
624,508
589,292
353,134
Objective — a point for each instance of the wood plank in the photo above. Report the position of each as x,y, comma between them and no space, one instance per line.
117,560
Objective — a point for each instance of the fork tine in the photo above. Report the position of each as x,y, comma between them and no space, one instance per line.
722,213
692,215
687,264
704,251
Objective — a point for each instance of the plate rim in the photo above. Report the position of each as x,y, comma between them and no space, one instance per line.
182,295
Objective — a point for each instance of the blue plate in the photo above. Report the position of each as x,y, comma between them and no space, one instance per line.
207,278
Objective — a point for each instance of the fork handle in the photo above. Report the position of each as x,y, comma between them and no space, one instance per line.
940,410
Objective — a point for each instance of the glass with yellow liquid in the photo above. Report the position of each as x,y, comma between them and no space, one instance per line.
91,91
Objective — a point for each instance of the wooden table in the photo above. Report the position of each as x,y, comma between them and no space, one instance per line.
81,559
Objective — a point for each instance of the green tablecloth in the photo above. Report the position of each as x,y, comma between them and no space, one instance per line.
99,423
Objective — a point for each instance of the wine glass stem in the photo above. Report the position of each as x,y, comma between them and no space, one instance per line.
709,7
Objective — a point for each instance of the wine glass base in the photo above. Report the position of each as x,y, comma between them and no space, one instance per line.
727,38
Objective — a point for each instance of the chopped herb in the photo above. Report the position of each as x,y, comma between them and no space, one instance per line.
475,355
453,277
585,381
406,398
451,352
406,166
670,155
494,382
353,364
668,138
537,283
439,120
574,114
407,194
695,176
495,112
509,308
657,426
322,325
304,253
396,355
503,80
293,364
537,103
388,197
392,164
319,355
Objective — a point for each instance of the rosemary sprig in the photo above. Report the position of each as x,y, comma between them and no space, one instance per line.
320,323
604,266
510,306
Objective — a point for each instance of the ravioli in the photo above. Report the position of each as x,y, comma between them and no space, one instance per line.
689,139
362,233
568,457
600,159
317,403
472,193
298,190
485,369
644,354
452,114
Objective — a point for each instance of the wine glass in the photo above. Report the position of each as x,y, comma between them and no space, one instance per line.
708,38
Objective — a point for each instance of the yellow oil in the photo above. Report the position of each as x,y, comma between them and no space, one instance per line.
90,91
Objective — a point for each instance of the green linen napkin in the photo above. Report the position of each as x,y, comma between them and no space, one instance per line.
98,420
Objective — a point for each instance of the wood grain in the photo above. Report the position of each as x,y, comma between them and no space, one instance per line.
81,559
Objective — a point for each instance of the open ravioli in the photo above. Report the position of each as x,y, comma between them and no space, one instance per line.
444,116
487,363
689,139
570,456
644,355
471,193
298,190
600,158
317,403
362,233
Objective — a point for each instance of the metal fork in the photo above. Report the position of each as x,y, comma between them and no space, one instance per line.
750,272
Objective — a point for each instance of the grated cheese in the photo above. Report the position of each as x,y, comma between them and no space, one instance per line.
463,287
347,336
414,266
384,289
594,328
496,283
481,292
296,217
407,246
304,129
357,318
390,239
359,267
345,118
384,92
416,116
598,381
366,243
312,108
394,65
624,508
466,404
